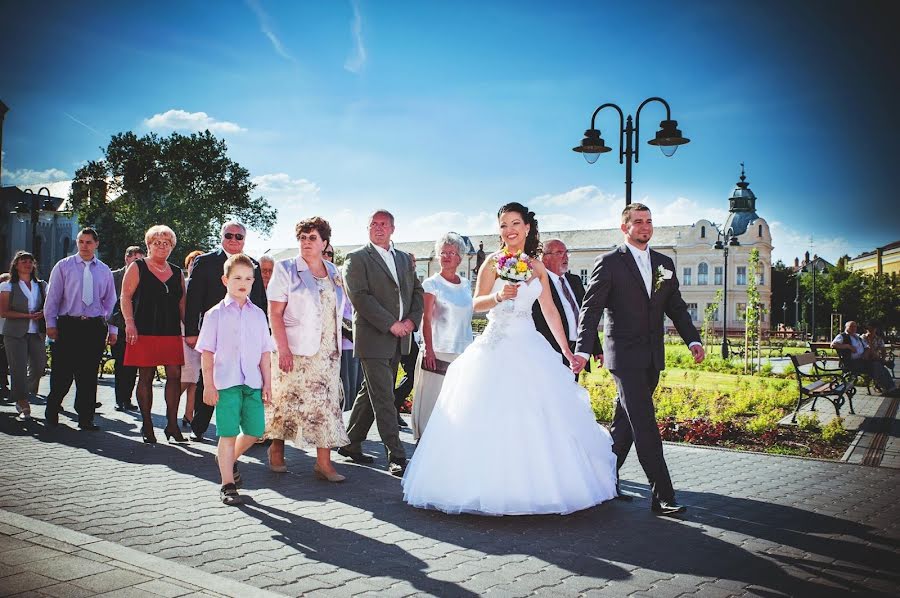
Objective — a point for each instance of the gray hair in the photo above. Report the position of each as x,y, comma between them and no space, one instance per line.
232,223
382,212
450,239
266,258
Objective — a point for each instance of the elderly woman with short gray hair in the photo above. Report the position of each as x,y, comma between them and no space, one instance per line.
446,327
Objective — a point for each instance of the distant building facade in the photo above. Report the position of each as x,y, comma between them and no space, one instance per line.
700,267
882,260
57,227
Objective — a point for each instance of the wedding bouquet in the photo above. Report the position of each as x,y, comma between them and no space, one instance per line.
514,267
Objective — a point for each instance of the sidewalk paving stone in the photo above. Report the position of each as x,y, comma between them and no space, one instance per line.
757,524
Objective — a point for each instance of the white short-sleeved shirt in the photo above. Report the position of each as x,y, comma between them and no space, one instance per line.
34,299
451,321
858,344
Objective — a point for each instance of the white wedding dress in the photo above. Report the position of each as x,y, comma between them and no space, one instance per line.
512,433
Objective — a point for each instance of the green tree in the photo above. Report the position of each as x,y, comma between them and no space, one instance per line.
186,182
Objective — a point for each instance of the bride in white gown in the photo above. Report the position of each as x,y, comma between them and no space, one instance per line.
512,433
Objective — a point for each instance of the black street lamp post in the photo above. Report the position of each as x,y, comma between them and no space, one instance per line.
32,210
784,316
725,240
668,138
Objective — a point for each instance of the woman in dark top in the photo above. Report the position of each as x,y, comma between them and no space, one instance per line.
153,306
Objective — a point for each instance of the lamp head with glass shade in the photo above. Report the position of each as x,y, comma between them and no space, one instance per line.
668,138
592,146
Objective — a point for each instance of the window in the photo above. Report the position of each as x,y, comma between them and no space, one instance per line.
702,232
692,309
584,277
760,231
686,277
717,275
761,277
741,275
702,274
739,310
715,312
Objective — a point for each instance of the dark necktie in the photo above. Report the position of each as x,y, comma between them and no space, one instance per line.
569,298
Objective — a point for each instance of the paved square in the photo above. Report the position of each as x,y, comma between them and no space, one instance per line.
757,524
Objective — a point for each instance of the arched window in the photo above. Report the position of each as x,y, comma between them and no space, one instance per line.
702,232
702,274
760,230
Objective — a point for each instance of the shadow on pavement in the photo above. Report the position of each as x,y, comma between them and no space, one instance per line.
611,541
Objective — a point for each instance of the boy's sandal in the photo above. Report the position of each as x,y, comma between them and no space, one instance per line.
229,495
236,474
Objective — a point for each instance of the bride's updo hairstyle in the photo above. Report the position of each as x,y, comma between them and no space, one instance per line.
533,241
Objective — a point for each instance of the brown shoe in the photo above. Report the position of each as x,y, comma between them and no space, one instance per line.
328,477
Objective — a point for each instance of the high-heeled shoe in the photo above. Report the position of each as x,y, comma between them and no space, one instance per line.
334,477
185,423
174,435
148,435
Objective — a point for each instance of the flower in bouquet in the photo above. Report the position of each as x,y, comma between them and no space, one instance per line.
514,267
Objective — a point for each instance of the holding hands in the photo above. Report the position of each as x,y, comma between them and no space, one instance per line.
401,329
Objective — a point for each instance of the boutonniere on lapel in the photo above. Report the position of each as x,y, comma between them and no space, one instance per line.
338,281
660,275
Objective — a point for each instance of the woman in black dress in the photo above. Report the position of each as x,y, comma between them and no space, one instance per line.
153,306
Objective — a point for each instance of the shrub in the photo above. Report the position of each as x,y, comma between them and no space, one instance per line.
766,369
808,422
834,430
764,422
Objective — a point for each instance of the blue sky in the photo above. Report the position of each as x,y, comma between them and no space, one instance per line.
442,111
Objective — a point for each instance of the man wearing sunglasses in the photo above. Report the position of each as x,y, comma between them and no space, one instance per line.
205,290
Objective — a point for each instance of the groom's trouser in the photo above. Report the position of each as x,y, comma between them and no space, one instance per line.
375,402
635,423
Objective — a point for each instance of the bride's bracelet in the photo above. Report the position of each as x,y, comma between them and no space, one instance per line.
497,298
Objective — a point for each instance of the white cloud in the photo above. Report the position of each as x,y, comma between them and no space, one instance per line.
357,60
789,243
685,211
27,176
432,226
190,121
588,194
265,25
294,198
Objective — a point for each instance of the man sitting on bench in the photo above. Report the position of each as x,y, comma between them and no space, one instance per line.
852,350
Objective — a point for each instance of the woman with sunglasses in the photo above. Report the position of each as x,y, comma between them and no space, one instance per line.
152,304
24,330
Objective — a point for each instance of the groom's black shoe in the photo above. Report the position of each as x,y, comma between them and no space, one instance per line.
355,457
667,507
620,496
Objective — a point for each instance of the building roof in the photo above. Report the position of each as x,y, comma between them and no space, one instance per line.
883,248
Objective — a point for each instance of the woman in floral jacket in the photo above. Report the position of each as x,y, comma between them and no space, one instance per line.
306,303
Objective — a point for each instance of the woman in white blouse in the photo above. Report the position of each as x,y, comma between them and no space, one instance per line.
446,328
306,303
22,307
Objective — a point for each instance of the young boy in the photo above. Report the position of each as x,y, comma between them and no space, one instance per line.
235,344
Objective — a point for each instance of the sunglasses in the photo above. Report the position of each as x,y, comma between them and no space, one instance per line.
328,253
231,236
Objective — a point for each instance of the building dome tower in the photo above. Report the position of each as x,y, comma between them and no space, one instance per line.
741,206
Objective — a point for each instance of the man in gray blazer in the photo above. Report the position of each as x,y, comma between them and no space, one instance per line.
388,301
634,287
125,375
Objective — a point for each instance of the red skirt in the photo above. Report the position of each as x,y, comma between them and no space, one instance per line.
151,351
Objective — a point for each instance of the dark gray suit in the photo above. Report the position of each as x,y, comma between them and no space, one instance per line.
376,301
634,351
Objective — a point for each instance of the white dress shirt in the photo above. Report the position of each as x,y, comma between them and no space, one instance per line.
642,257
388,256
570,316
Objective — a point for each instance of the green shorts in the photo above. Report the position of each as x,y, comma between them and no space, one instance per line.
240,409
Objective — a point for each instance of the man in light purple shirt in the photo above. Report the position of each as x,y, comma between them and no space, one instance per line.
80,300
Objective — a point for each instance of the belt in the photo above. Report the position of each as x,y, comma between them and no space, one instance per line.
84,317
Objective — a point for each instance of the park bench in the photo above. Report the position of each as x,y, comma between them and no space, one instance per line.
773,350
822,382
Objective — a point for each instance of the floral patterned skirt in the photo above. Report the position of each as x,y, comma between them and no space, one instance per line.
306,402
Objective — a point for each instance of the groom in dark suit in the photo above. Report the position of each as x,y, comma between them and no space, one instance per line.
204,290
568,295
634,287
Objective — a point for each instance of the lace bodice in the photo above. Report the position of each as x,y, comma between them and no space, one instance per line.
521,305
